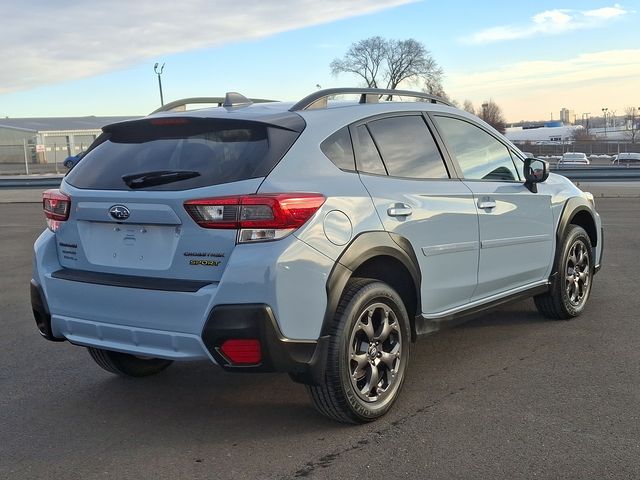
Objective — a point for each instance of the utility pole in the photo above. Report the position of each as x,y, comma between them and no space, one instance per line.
586,125
159,72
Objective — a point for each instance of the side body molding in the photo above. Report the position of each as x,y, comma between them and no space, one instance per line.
362,248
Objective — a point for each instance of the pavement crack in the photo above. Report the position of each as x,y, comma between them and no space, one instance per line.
328,459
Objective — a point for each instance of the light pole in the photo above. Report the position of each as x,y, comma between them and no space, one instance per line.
604,113
159,72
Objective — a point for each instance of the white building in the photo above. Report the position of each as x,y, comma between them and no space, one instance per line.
543,135
48,140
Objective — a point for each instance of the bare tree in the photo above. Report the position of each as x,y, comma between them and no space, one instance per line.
383,63
581,135
468,107
364,58
439,91
492,114
409,60
633,121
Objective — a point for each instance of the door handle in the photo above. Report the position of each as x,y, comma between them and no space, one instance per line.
486,204
399,210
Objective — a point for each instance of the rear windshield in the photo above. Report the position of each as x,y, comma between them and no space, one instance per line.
213,151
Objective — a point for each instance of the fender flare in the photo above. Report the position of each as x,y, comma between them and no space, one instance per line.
362,248
571,208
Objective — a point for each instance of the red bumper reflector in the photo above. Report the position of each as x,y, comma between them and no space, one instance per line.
242,351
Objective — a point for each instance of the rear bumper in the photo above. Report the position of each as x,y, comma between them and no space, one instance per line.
132,340
41,313
303,359
96,332
275,295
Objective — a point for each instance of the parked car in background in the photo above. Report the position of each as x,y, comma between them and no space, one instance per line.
626,158
72,160
574,158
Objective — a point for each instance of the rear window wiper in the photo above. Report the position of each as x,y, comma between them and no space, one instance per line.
159,177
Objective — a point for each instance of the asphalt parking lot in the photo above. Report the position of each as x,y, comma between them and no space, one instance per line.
507,395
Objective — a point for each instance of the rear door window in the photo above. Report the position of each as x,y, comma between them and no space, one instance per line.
203,151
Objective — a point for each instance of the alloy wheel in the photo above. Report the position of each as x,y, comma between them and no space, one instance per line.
375,349
578,273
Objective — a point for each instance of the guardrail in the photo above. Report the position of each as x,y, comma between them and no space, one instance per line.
593,173
30,181
611,174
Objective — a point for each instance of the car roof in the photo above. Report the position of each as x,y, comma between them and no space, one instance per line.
319,108
337,114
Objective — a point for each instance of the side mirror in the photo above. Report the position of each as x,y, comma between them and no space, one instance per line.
535,171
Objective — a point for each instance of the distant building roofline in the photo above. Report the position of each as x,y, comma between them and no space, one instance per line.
56,124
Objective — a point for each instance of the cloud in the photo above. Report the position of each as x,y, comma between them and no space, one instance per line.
549,22
606,12
527,74
45,42
547,85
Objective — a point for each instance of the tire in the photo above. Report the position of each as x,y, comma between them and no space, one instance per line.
569,291
369,339
127,365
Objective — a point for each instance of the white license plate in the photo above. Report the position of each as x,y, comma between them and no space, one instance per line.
126,245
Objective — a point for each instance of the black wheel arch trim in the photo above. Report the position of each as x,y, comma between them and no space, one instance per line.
573,207
364,247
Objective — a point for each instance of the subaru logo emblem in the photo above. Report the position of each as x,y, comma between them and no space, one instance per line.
119,212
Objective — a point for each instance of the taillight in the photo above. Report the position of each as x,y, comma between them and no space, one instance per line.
258,217
56,206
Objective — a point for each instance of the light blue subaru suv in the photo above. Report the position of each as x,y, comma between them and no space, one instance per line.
319,238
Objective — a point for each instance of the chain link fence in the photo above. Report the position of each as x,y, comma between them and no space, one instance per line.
589,147
29,159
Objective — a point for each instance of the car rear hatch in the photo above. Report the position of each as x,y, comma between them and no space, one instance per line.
127,214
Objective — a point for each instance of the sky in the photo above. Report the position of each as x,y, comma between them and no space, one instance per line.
73,58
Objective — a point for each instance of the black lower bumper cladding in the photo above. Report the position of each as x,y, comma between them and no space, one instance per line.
41,313
304,360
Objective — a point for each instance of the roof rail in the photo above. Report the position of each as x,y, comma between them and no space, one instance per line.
231,99
367,95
